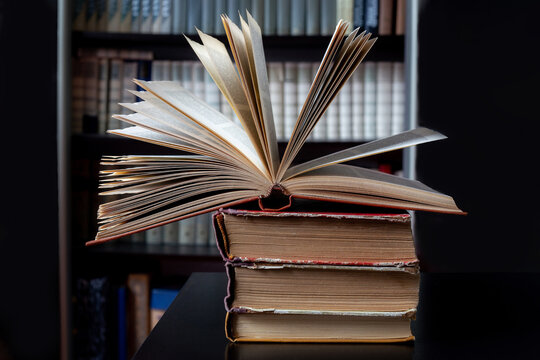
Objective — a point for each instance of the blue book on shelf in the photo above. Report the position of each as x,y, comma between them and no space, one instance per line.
160,299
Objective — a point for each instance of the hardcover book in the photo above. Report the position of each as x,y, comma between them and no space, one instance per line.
238,164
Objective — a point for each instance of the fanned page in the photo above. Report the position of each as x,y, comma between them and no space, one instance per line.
233,164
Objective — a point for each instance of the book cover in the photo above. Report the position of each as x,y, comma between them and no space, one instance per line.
160,299
358,13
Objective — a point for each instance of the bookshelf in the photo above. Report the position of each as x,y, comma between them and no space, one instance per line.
168,260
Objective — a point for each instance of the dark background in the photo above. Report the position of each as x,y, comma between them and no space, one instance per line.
478,82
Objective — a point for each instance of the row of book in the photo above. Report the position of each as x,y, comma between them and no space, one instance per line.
196,230
318,277
276,17
113,319
370,105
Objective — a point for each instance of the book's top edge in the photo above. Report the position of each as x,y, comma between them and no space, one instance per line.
409,314
411,268
333,215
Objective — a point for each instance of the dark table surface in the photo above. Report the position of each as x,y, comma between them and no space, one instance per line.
460,316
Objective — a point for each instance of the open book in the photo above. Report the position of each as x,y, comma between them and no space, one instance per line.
235,164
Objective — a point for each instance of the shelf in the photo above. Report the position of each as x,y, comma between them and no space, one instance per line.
138,249
97,145
277,48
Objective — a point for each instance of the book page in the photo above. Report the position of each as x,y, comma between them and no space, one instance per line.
215,58
204,115
395,142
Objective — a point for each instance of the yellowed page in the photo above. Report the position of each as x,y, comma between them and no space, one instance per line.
215,58
204,115
399,141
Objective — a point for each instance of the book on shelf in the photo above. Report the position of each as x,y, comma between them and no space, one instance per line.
138,310
160,299
236,164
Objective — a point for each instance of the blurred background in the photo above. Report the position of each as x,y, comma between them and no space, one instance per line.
468,69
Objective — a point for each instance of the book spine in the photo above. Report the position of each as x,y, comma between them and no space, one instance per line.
386,9
157,70
275,74
194,16
135,16
207,16
77,97
138,238
401,13
156,17
146,16
332,120
198,80
179,17
79,15
91,80
220,8
328,17
270,17
370,97
289,98
125,16
358,103
243,6
166,17
101,22
303,84
166,70
154,236
129,73
115,92
187,231
91,15
138,286
103,94
345,111
344,11
187,79
313,17
121,311
176,71
201,229
371,16
283,17
114,13
384,100
170,234
398,98
257,11
358,14
298,17
211,92
233,6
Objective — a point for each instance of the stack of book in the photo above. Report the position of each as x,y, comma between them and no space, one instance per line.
309,276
